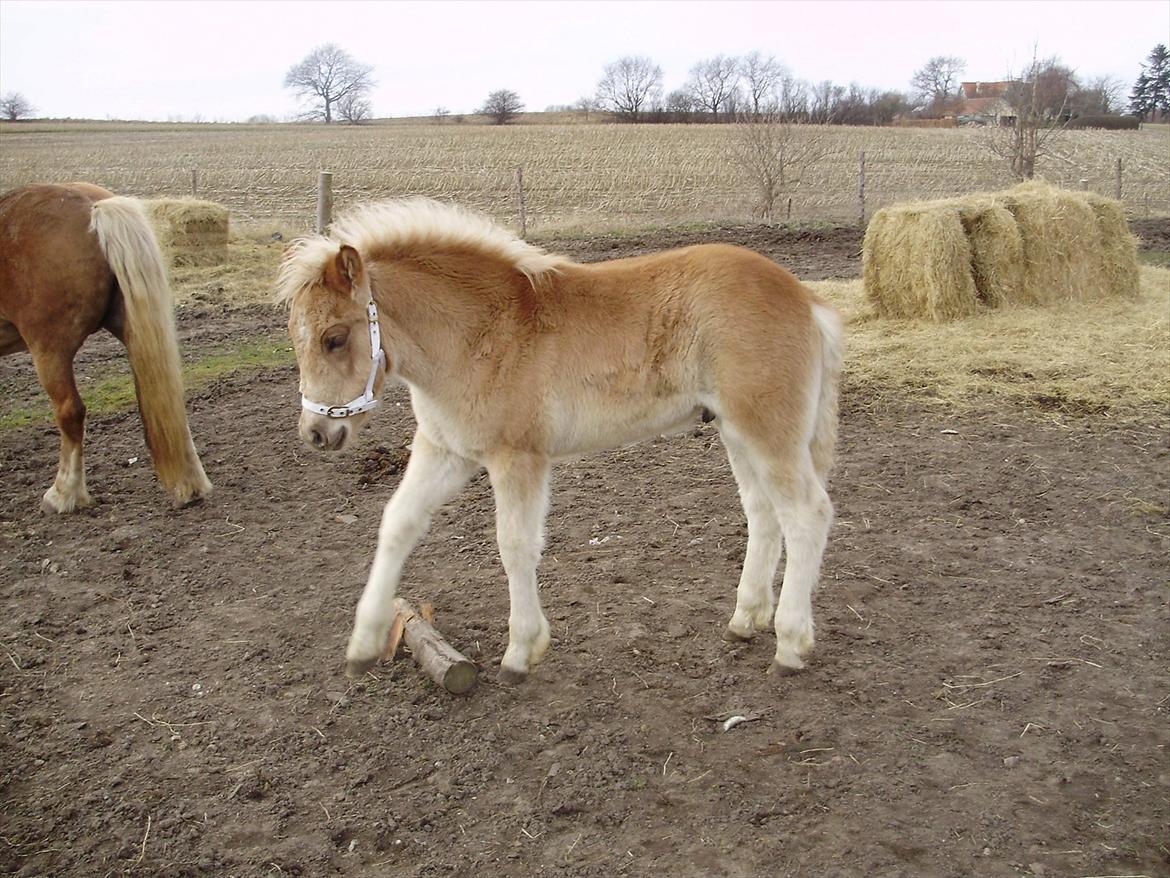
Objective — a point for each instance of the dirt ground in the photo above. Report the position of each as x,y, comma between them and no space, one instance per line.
988,696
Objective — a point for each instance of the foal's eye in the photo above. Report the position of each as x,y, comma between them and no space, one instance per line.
335,339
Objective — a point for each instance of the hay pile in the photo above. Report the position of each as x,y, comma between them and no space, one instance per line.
1031,245
190,232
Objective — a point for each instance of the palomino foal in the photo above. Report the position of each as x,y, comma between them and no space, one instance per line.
516,358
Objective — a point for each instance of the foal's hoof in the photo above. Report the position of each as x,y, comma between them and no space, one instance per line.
781,670
511,677
732,636
355,669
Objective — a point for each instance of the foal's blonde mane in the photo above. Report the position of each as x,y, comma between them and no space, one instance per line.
404,226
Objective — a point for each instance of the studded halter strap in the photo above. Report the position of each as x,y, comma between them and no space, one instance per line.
366,401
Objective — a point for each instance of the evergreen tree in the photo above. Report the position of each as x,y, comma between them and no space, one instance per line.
1151,91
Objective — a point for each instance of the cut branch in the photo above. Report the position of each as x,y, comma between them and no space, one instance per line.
441,661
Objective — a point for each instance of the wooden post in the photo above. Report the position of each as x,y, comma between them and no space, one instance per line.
1084,185
194,182
439,659
520,198
861,191
1117,182
324,201
788,214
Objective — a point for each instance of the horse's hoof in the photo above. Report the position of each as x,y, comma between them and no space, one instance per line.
511,677
732,636
782,670
355,669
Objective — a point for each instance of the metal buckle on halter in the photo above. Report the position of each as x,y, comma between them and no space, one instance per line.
337,411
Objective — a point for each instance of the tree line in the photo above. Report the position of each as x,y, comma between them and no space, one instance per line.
335,87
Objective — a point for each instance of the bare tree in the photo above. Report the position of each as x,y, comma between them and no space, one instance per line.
713,82
1039,101
775,154
586,105
326,77
629,85
793,98
825,101
761,77
502,106
440,113
1099,96
14,106
936,83
354,109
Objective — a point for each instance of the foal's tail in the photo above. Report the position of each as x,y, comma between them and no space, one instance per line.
131,249
824,439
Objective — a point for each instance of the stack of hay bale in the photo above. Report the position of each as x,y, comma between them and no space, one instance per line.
190,232
1031,245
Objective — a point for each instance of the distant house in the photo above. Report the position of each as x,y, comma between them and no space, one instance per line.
985,103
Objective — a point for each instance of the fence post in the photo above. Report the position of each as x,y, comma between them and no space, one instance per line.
324,201
1117,182
1084,185
861,191
520,198
788,213
194,182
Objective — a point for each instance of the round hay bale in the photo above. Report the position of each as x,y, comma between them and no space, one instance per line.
190,232
916,262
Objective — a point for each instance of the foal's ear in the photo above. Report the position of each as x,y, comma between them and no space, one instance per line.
346,272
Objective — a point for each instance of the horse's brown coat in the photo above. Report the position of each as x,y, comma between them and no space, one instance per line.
58,286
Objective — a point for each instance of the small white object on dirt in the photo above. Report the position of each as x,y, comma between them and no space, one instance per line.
347,519
732,721
949,432
132,461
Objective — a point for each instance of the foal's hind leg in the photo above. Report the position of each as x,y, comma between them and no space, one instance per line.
806,514
55,369
753,598
520,483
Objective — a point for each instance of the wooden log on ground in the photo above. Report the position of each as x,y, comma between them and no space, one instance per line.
441,661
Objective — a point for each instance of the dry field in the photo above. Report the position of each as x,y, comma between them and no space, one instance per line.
576,176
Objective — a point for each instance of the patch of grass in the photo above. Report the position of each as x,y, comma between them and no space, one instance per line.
114,391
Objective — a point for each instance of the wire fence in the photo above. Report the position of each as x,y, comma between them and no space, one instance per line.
574,176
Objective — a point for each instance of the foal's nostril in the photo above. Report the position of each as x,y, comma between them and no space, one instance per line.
317,438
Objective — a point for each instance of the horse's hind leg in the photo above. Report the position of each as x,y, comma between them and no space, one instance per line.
753,598
55,369
806,514
520,484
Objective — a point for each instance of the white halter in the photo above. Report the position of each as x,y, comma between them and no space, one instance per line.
366,401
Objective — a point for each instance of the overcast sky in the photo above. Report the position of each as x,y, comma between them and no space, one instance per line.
226,60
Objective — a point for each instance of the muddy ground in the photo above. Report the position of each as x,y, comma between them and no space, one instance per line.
988,696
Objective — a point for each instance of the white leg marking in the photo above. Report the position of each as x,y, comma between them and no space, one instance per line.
433,476
68,491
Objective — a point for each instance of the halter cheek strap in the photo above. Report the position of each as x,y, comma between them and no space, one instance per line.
366,401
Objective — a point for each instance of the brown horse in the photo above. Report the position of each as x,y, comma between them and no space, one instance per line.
516,358
75,259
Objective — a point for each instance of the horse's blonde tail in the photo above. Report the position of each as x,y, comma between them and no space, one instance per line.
832,337
131,249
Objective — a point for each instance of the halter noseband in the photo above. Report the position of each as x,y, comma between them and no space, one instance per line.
366,401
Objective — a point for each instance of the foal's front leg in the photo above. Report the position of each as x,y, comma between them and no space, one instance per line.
433,476
520,483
